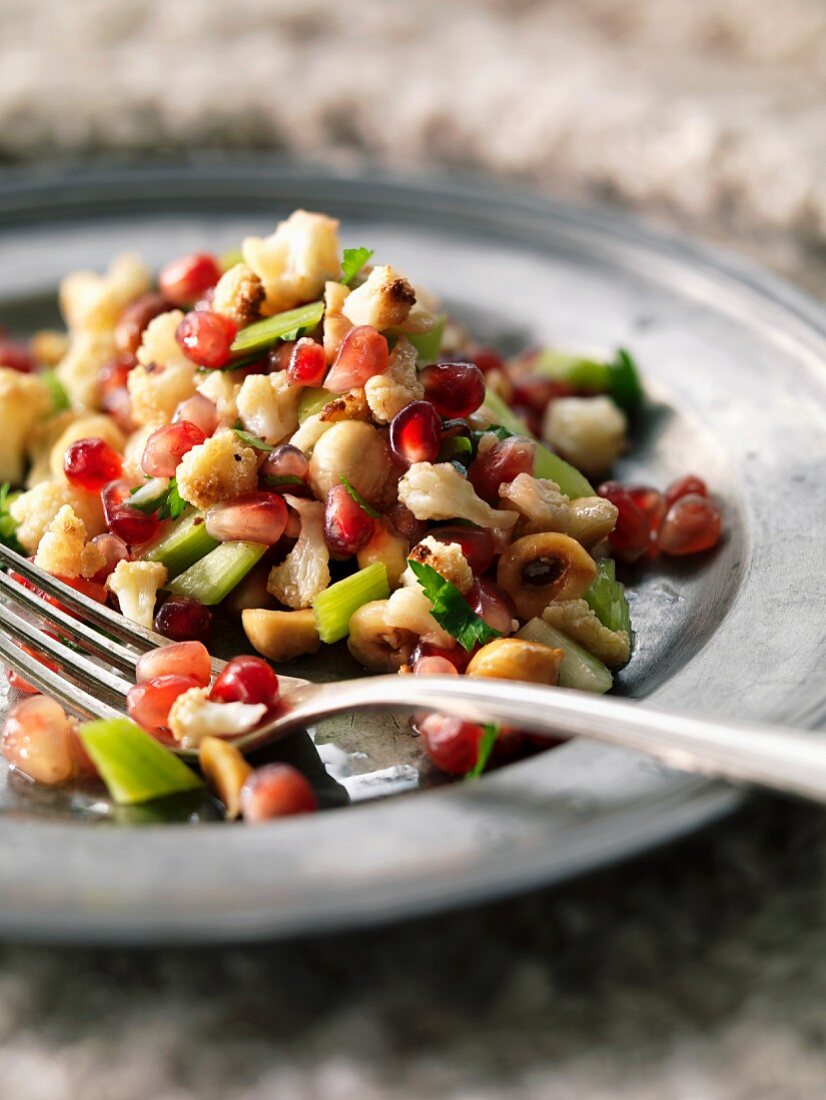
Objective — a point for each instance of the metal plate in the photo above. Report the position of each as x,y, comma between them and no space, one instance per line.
733,361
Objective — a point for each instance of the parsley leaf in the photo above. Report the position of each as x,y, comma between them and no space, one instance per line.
352,263
358,498
450,608
491,732
8,528
253,441
624,384
60,399
169,504
497,429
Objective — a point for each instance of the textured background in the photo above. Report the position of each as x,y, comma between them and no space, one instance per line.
696,974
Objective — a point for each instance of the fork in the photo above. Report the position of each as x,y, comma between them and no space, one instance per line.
778,758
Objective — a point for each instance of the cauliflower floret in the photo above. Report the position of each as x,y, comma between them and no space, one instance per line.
268,405
588,431
80,368
296,261
133,452
164,377
194,716
310,432
576,619
305,571
446,558
383,301
35,509
158,345
218,469
388,393
421,317
440,492
136,584
351,405
223,392
544,507
238,295
336,325
24,399
85,427
42,439
409,609
93,302
64,551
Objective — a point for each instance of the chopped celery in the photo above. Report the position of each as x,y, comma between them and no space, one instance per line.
151,495
214,576
335,606
428,344
181,547
500,413
579,668
586,374
133,765
606,597
263,334
231,258
312,401
60,399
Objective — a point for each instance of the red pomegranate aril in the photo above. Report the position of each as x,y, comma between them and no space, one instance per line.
503,462
456,389
37,741
116,373
478,547
363,354
285,466
206,337
254,517
117,403
457,656
347,527
113,549
451,744
133,526
185,280
135,318
276,790
178,659
148,702
536,393
650,502
91,464
166,447
486,359
183,620
434,666
198,410
416,433
692,524
683,486
402,520
13,677
246,680
493,604
632,533
16,356
308,363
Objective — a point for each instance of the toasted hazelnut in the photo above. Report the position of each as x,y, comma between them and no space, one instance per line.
515,659
281,635
225,771
537,569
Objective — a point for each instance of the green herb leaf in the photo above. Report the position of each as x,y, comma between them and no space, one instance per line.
60,399
169,504
8,528
358,498
624,384
278,481
450,608
485,749
253,441
353,261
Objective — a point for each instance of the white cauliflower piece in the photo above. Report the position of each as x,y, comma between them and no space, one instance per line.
136,584
409,609
42,439
310,432
158,344
164,377
93,303
238,295
388,393
336,325
576,619
305,571
587,431
133,452
440,492
543,507
296,261
35,509
218,469
268,405
446,558
80,368
24,400
383,301
194,716
64,551
218,386
98,426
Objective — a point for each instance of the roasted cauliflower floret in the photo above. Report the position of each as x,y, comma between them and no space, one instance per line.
24,400
35,509
383,301
238,295
194,716
296,261
268,405
336,325
80,368
305,571
85,427
222,391
93,302
543,507
64,551
588,431
158,344
389,392
164,377
136,584
446,558
408,608
218,469
440,492
576,619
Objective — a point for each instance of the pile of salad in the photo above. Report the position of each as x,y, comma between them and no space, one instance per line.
300,437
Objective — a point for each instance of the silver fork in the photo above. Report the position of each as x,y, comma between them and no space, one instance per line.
778,758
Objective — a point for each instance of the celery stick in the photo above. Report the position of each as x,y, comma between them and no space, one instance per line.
263,334
231,258
60,399
500,413
428,344
151,495
181,547
579,668
606,597
133,765
586,374
334,607
214,576
312,401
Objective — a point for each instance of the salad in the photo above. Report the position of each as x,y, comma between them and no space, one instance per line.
298,436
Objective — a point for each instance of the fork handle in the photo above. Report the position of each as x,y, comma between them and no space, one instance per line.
778,758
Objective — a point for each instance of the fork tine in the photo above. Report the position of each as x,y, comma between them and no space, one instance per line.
73,697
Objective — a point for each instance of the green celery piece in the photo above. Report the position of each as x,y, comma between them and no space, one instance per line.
230,259
312,401
60,399
152,492
335,606
429,344
133,765
606,597
213,577
586,374
500,413
263,334
186,543
579,668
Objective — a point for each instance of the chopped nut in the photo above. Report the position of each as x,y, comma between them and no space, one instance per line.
281,635
515,659
225,771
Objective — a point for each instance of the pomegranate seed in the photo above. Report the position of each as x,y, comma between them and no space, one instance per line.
178,659
416,433
186,279
692,524
456,389
650,502
631,536
166,447
133,526
536,393
493,604
347,527
286,467
434,666
246,680
93,589
16,356
451,744
135,318
478,547
91,464
363,353
683,486
37,741
206,338
486,359
502,463
276,790
148,703
14,678
116,400
457,656
183,620
113,550
197,410
116,373
403,520
308,363
254,517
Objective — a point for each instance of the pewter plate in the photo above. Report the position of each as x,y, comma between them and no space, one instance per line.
734,365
